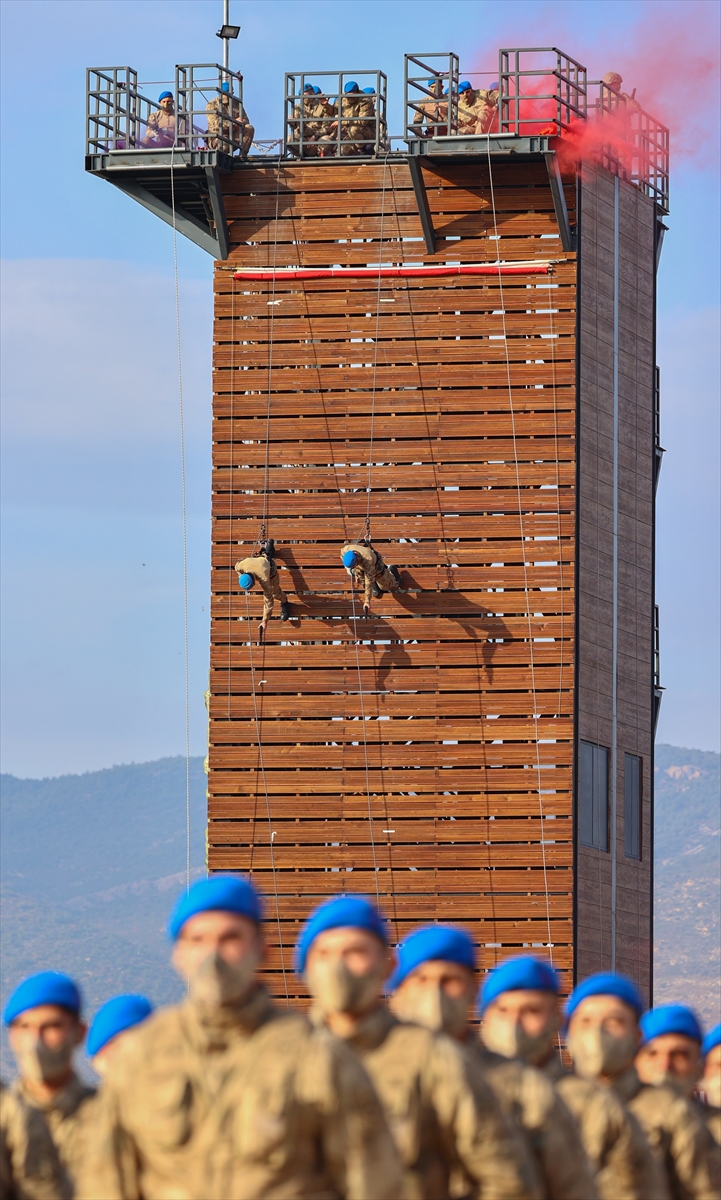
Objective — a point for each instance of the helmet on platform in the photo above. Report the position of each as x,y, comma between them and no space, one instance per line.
350,558
351,86
465,86
613,80
246,580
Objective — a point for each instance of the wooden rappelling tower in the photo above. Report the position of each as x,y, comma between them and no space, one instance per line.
480,750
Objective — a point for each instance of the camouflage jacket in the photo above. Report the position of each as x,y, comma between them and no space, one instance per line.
65,1117
29,1164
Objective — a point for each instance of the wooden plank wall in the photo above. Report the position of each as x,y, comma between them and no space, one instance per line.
466,678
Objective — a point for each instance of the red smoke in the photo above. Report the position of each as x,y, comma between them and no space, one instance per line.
670,56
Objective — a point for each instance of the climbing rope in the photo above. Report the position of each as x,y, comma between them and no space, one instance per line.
366,535
365,748
264,524
271,832
185,526
523,541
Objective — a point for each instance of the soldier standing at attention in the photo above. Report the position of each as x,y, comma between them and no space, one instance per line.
445,1120
110,1023
367,569
710,1083
603,1015
261,569
29,1165
43,1016
222,1096
435,985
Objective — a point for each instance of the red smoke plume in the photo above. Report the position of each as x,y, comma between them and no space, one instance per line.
670,56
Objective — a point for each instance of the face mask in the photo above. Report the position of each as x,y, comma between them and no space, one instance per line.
336,989
432,1008
712,1089
683,1084
216,982
44,1064
597,1052
512,1041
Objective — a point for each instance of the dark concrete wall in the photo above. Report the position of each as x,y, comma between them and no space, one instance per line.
635,555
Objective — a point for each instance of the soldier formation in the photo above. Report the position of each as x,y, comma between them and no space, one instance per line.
384,1091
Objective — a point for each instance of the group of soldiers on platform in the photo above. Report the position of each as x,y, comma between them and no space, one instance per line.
348,127
385,1090
229,129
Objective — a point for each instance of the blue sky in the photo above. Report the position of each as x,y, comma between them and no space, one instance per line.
92,580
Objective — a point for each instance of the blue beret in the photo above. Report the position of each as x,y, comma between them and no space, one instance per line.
465,86
220,893
521,974
429,944
712,1039
606,983
48,987
351,86
122,1012
165,96
342,911
670,1018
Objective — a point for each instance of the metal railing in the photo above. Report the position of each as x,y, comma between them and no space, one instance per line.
206,112
431,95
542,91
635,145
335,114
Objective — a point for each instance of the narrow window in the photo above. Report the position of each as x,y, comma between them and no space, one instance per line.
632,806
593,796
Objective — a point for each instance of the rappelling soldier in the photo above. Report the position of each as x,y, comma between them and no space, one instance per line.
366,567
45,1027
435,985
224,1095
446,1122
604,1034
261,569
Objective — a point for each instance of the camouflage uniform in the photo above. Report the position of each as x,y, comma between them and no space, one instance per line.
475,116
251,1105
266,572
371,569
160,130
677,1136
619,1154
434,115
445,1120
29,1165
65,1115
228,125
525,1094
711,1117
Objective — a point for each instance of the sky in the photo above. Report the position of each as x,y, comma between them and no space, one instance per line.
92,604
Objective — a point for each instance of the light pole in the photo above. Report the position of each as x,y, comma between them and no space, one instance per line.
226,32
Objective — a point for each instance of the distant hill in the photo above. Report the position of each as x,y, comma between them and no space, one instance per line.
687,958
90,865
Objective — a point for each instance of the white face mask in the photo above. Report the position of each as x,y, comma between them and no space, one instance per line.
712,1089
44,1064
432,1008
684,1085
597,1052
216,982
337,989
512,1041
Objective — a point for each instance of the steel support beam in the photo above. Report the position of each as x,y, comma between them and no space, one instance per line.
568,236
415,166
185,222
218,207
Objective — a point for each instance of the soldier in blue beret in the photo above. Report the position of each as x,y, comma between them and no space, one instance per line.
710,1085
110,1023
225,1095
45,1027
670,1050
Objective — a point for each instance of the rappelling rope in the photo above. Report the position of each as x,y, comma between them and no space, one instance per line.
266,476
523,541
367,528
271,832
365,749
185,526
558,495
231,555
